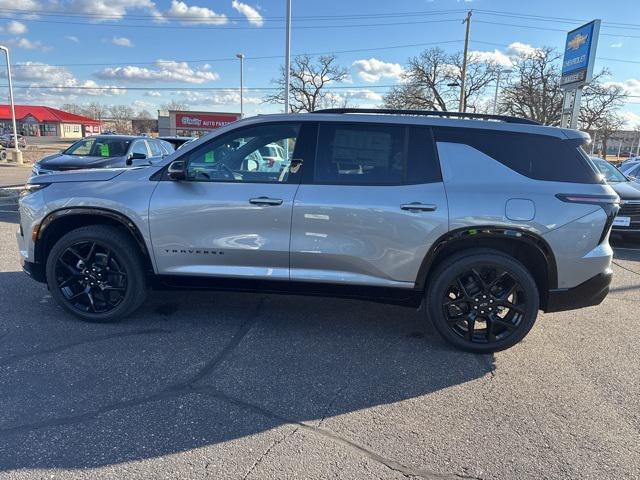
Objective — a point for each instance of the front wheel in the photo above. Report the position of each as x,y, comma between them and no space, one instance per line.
482,301
96,273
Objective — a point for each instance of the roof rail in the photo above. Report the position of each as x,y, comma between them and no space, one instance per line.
432,113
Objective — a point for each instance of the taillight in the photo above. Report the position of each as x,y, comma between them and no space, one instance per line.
609,203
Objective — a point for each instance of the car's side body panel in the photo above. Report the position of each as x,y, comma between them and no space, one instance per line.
361,235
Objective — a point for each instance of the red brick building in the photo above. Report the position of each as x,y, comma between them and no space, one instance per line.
41,121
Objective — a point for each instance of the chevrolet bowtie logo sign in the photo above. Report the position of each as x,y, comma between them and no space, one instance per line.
577,41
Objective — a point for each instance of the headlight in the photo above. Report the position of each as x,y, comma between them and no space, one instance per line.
30,188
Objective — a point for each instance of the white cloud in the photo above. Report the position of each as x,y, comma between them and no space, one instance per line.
65,85
193,15
219,97
23,5
28,44
616,45
164,71
109,9
496,57
72,38
248,11
122,42
519,48
632,120
631,86
373,70
152,93
14,28
364,94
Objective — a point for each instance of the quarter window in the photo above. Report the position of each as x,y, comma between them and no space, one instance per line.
541,157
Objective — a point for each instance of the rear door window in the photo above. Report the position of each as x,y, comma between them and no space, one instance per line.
354,154
541,157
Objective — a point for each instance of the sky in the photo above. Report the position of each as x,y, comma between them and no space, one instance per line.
145,53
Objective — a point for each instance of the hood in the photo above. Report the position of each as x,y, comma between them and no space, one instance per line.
627,190
98,175
70,162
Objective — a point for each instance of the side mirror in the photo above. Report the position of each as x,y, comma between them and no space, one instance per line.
177,170
137,156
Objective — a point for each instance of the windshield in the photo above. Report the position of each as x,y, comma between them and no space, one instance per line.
99,147
611,174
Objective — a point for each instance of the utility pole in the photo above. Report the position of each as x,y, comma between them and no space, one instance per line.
462,106
495,96
287,57
241,57
16,153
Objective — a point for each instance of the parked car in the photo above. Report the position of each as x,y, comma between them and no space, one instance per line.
485,222
7,141
629,166
103,151
177,142
627,222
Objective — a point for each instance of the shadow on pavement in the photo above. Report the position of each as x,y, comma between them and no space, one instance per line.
195,369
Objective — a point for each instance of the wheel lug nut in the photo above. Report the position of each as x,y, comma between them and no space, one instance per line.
475,308
477,300
484,296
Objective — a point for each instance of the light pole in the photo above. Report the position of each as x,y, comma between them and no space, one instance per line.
17,154
495,97
287,57
241,57
463,75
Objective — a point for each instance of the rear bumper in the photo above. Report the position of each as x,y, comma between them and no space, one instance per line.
589,293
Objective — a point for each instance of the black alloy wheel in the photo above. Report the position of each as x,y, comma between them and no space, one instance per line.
97,273
484,304
482,301
90,277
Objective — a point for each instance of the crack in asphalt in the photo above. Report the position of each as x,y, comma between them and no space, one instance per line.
186,388
60,348
625,268
264,455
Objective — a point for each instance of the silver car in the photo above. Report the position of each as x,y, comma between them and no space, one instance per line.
483,219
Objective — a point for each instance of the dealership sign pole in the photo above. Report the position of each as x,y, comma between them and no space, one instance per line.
577,69
287,57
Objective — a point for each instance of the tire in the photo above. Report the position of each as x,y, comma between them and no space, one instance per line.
482,301
96,273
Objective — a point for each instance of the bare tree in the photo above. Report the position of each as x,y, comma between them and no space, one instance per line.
535,91
432,81
308,81
95,110
72,108
121,116
144,123
174,105
599,101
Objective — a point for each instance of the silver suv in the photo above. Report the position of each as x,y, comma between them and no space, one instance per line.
484,219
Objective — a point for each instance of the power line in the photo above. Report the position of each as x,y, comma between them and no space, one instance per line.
218,27
228,59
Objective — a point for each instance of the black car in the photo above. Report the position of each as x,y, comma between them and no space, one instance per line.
628,219
104,151
177,142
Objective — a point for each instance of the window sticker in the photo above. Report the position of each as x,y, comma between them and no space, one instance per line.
208,157
104,150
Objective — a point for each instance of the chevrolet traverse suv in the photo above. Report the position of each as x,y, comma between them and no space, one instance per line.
483,219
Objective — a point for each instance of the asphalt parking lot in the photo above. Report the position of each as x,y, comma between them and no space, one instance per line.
219,385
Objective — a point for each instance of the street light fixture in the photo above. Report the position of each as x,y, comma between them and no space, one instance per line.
16,153
495,97
241,57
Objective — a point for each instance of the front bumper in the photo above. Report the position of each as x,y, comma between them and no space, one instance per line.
34,270
589,293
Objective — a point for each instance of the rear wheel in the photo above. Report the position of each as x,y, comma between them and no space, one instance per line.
482,301
96,273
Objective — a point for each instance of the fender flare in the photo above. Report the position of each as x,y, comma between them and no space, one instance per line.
93,211
512,234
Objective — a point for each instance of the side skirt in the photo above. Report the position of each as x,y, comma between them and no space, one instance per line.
394,296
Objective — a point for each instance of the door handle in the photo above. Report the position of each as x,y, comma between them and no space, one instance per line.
265,201
418,207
